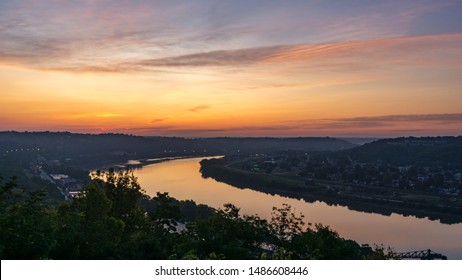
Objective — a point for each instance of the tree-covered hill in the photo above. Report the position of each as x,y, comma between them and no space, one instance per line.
425,151
100,149
66,143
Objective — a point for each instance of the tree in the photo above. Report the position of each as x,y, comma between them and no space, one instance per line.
124,192
166,212
27,226
285,224
86,228
225,234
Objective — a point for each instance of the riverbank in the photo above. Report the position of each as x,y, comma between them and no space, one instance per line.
138,163
328,193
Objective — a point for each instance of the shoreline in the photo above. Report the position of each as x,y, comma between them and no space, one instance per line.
139,163
242,180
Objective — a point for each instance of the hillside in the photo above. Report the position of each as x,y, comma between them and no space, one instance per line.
423,151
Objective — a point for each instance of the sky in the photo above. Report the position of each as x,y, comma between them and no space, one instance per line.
351,68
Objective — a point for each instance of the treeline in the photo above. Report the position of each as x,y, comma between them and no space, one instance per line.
113,219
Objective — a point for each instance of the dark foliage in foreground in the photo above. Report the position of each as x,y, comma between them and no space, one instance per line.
113,219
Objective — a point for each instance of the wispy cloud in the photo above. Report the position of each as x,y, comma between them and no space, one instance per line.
443,49
214,58
397,49
103,115
108,115
158,120
199,108
104,36
131,36
386,121
424,124
212,131
412,118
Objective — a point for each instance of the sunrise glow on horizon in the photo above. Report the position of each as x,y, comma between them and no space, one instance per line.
232,68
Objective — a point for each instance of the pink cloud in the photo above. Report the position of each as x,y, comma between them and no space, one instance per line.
407,50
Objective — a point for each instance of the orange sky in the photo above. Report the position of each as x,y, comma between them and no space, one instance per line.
270,71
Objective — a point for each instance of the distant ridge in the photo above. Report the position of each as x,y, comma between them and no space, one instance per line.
443,150
359,140
115,147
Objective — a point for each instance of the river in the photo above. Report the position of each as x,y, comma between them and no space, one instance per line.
181,179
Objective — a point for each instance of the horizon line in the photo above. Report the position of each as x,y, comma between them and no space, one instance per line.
230,136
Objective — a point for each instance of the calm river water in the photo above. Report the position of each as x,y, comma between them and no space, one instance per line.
181,179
